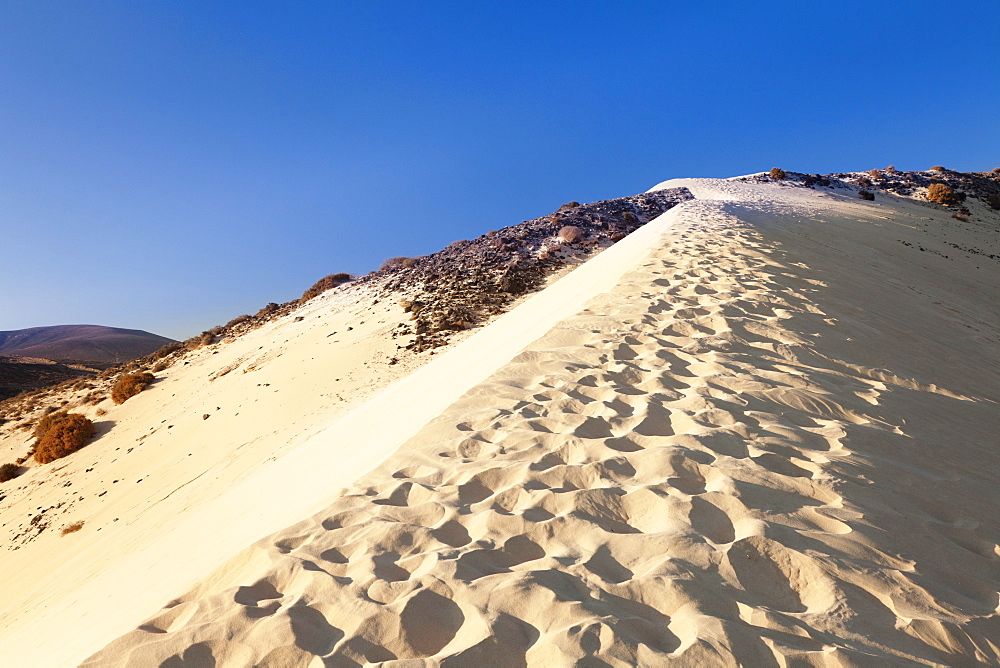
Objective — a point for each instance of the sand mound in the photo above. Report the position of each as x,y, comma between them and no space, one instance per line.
772,442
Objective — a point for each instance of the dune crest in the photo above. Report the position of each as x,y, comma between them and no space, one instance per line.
772,441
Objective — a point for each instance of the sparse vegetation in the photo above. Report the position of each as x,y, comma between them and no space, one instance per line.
866,195
876,174
9,472
66,433
397,262
168,349
568,205
937,168
993,200
324,284
130,385
942,194
777,173
570,233
891,169
72,528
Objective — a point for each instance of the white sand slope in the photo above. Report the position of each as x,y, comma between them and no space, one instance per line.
243,440
760,431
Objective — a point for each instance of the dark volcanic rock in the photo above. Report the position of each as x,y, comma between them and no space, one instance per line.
470,281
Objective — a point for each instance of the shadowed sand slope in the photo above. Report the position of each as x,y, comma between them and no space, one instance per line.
773,442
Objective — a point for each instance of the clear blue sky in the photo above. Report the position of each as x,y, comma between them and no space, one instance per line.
168,165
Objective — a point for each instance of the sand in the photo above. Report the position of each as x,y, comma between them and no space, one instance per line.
759,431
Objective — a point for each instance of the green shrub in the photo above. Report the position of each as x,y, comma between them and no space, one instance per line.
67,434
942,194
9,472
130,385
777,173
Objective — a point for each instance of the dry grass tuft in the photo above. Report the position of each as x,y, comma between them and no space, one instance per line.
777,173
72,528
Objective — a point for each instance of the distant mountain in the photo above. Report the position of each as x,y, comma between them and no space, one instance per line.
82,343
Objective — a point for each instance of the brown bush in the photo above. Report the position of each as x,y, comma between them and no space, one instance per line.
72,528
876,174
324,284
891,169
937,168
942,194
777,173
995,170
130,385
570,233
397,262
866,195
569,205
993,200
67,434
168,349
9,472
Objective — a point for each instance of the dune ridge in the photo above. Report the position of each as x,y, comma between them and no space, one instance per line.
771,442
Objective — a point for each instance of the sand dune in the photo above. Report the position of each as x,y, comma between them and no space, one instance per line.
767,437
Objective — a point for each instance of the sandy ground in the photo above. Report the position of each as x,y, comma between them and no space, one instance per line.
759,431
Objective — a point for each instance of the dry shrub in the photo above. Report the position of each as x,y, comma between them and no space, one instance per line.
891,169
569,205
67,434
777,173
937,168
993,200
9,472
875,174
72,528
570,233
168,349
324,284
130,385
961,215
866,195
995,170
942,194
397,262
